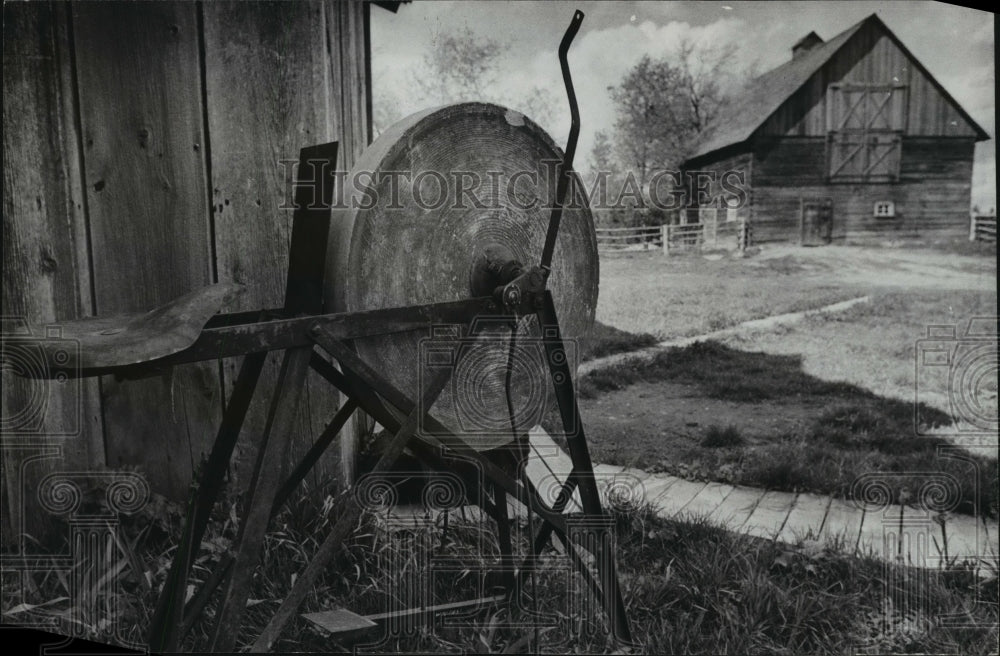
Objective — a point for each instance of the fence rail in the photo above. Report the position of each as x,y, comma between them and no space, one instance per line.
705,232
630,239
983,228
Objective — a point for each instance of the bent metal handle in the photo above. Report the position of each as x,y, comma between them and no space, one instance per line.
574,132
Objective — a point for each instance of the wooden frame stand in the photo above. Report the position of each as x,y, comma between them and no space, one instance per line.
305,335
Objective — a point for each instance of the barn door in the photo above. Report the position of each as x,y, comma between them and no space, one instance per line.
816,221
865,124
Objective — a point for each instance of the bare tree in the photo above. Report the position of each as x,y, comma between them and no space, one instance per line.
540,105
460,66
705,74
456,66
665,105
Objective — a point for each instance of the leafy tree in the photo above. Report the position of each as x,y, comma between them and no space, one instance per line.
605,180
650,112
602,154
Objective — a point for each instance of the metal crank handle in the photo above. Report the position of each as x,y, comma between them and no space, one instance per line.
574,133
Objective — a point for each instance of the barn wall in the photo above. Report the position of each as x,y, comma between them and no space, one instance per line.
142,150
739,163
931,198
46,272
870,57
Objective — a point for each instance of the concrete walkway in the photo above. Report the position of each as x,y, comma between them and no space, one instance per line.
783,516
754,324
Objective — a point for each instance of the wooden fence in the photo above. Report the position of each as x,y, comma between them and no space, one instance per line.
640,238
983,228
705,231
143,146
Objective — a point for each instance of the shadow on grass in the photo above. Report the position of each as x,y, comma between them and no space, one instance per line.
858,433
604,340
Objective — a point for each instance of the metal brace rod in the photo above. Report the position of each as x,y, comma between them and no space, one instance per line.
565,174
440,438
222,570
350,513
281,416
163,630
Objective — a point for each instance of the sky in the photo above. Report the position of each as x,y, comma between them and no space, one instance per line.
956,44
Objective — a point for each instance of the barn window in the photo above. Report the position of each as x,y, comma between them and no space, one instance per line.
865,127
884,209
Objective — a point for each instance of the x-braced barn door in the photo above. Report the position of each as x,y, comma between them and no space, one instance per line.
865,125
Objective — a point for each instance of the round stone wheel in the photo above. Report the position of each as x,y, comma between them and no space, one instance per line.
419,208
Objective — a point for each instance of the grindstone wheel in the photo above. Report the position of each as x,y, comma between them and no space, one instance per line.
421,207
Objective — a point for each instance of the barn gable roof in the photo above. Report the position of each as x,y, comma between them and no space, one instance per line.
766,93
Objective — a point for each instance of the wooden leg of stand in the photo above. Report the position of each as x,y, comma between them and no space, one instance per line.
163,631
280,418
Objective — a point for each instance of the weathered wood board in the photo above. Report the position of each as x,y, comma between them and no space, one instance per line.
268,89
46,278
123,124
143,135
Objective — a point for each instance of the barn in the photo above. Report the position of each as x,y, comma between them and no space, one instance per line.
851,140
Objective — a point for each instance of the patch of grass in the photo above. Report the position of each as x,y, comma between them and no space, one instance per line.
873,345
688,586
716,592
672,297
958,246
785,265
722,437
605,340
722,372
857,434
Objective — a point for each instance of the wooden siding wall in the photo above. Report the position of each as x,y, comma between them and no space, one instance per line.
740,163
142,149
870,57
931,199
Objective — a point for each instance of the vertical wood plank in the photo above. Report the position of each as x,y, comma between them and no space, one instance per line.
348,30
45,267
348,24
142,121
268,93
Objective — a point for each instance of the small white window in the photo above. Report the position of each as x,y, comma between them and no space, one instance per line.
884,209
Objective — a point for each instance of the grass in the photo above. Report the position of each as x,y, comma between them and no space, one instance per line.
604,340
874,345
719,437
849,432
684,296
688,586
955,246
722,373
